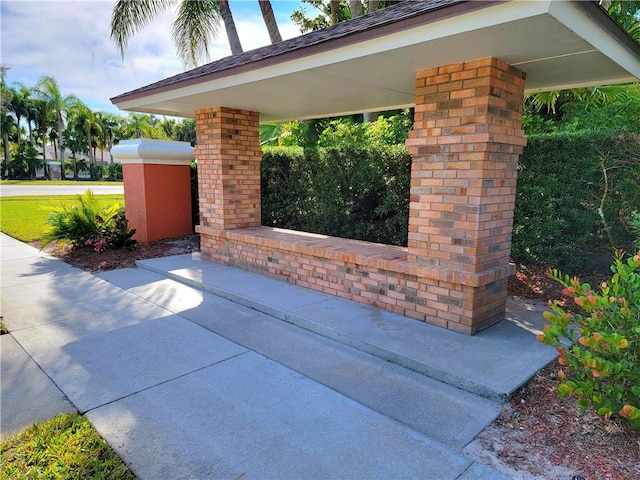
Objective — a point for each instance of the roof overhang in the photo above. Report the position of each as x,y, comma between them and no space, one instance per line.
558,44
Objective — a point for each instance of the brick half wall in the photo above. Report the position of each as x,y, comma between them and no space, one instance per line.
376,274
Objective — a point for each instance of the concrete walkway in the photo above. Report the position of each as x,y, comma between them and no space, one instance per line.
194,370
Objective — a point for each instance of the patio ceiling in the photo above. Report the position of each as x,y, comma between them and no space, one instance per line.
369,64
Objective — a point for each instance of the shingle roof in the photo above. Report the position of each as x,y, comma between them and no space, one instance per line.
396,13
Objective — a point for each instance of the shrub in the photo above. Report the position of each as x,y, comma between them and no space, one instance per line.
88,224
603,364
561,187
345,192
634,226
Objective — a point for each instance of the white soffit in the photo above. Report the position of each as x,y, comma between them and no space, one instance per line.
556,43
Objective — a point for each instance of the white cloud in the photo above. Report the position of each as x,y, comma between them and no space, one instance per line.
70,41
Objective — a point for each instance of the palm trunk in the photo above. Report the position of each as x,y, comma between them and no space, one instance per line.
44,157
230,27
60,149
91,156
30,132
356,8
373,5
270,21
335,5
7,155
18,118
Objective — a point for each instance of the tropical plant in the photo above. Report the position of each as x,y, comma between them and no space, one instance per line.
195,24
59,105
627,14
25,161
87,223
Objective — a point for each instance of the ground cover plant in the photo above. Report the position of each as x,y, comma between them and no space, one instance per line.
65,447
25,218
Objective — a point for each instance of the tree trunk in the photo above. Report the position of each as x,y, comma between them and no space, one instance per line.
18,118
75,165
7,154
373,5
44,157
270,21
30,132
60,148
92,159
356,8
230,27
335,6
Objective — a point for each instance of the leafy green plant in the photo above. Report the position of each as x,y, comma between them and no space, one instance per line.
570,187
603,364
88,223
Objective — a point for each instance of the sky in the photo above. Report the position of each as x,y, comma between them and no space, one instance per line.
69,40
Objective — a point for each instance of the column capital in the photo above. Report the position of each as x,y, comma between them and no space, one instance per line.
153,152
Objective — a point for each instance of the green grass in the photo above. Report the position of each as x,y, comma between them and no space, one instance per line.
25,218
3,329
58,182
65,447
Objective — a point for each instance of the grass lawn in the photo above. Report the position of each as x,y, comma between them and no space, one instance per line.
58,182
25,218
65,447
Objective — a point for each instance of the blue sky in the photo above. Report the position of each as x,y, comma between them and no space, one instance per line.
69,40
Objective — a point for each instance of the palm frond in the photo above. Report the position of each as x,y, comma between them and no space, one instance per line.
197,21
130,16
544,100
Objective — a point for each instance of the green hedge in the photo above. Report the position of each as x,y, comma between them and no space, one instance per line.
560,187
364,194
345,192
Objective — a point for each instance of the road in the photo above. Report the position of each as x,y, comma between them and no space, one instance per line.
23,190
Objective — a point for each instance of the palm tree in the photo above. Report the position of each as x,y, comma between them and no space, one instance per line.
108,125
356,8
19,106
196,23
270,21
43,120
59,105
6,121
86,122
230,27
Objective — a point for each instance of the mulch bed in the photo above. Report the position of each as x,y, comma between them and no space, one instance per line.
536,432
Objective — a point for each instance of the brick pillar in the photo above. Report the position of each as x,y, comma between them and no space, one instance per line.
229,155
465,145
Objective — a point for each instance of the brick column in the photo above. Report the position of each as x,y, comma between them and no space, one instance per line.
465,145
229,155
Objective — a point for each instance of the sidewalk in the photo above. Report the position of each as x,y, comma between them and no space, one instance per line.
186,383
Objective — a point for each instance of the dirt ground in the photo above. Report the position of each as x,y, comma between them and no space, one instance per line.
537,436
